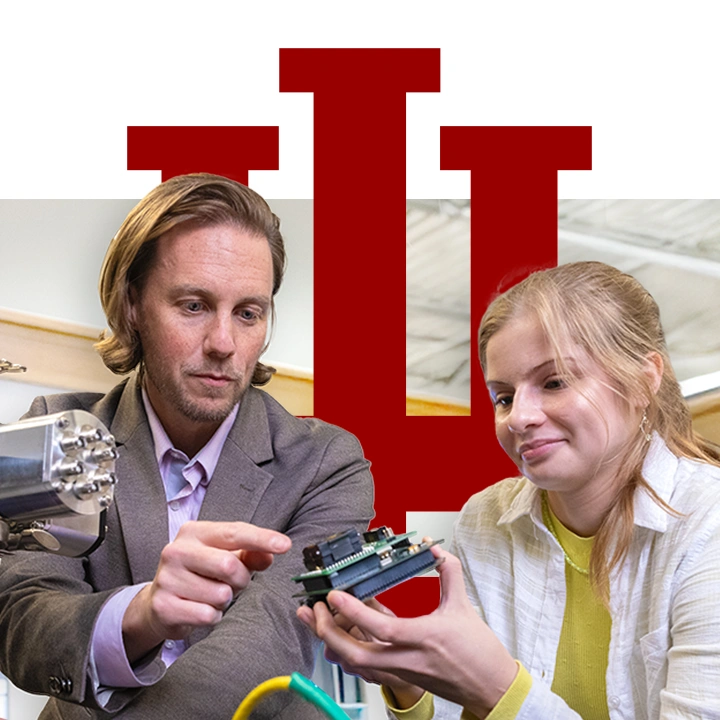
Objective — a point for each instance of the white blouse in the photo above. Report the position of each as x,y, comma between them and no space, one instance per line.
664,657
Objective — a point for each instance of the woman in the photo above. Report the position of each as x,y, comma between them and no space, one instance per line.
592,581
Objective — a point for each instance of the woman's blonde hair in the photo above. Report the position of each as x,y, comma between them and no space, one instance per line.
616,322
201,199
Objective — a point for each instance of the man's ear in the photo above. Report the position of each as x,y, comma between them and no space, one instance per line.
133,299
654,368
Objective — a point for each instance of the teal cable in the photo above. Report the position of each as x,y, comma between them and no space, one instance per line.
311,692
300,685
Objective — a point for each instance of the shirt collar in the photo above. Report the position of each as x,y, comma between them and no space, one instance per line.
659,469
207,457
525,502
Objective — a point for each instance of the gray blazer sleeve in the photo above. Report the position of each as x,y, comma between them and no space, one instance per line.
303,477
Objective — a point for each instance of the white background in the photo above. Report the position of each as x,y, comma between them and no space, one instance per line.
75,74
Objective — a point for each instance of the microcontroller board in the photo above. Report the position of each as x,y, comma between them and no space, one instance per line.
363,564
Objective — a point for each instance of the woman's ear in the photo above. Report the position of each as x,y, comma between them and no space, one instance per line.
654,367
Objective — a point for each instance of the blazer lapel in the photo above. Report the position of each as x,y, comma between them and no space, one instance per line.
238,483
140,503
140,496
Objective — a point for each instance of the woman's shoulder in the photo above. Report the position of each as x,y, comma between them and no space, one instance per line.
695,486
696,492
690,517
698,472
688,486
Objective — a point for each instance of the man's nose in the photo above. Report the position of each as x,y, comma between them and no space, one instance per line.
220,337
526,411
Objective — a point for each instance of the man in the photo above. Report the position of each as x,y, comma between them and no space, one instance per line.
187,605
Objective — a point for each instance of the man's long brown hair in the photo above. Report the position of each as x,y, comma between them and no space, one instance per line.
200,199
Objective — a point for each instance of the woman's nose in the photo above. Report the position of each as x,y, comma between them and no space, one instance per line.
526,411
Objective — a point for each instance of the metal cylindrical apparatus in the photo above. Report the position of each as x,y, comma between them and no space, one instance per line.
52,468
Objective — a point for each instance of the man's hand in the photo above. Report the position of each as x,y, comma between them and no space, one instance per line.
450,652
200,573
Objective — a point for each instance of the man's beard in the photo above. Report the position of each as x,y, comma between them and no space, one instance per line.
190,408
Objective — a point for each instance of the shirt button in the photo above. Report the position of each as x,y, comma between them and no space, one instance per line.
175,505
614,702
169,644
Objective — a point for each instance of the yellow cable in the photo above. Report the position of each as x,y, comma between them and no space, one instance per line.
269,686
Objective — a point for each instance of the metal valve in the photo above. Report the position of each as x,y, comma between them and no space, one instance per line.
56,479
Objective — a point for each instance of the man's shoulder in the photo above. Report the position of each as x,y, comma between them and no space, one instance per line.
286,431
102,405
282,420
302,449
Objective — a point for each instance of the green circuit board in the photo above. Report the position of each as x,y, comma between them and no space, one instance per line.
363,564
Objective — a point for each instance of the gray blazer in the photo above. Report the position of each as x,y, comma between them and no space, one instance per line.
300,476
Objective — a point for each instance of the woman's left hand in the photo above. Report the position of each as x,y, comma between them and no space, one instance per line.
451,652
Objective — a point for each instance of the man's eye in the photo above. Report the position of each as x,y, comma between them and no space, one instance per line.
193,306
249,315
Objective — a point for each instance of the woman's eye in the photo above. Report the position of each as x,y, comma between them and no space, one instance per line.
555,384
503,401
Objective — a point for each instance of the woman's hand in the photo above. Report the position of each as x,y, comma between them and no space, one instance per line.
451,652
406,694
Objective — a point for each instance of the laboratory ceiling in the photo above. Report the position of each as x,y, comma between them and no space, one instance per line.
671,246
